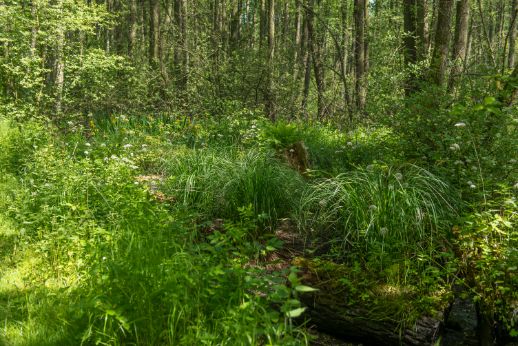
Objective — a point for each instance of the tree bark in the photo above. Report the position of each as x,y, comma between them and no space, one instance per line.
132,34
422,29
513,30
410,53
59,64
270,103
442,40
317,61
460,43
154,32
359,53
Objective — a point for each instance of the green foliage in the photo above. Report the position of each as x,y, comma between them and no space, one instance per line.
217,183
488,241
380,212
117,267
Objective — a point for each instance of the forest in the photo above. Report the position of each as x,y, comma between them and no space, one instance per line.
258,172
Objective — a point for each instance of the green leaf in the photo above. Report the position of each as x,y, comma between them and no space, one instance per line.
302,288
295,313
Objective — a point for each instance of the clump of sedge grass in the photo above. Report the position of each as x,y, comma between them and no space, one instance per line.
399,210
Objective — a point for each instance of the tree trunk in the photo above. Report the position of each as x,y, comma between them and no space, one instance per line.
442,41
359,53
270,103
132,34
34,29
154,32
409,24
422,29
59,64
317,63
460,43
512,35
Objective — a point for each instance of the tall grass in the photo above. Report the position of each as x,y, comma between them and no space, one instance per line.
393,210
96,260
218,182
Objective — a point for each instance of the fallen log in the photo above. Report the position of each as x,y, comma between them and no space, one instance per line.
382,319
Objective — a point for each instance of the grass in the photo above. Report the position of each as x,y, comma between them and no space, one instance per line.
399,212
218,182
97,260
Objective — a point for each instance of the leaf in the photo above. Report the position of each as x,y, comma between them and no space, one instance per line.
295,313
302,288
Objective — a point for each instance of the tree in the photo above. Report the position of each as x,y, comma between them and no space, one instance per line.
439,61
360,8
460,44
410,43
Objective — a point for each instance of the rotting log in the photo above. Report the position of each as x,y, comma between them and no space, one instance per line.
334,318
374,323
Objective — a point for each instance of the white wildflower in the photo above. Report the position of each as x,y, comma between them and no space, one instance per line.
460,124
398,176
383,231
372,207
86,152
292,150
515,186
127,146
114,157
103,145
88,144
455,147
512,161
472,186
350,144
253,126
458,162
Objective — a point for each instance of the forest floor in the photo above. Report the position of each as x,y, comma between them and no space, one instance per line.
167,233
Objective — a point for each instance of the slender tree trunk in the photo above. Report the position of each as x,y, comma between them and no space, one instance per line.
185,46
307,70
410,53
132,34
316,59
422,29
59,65
359,24
442,40
262,21
154,32
460,43
298,39
513,30
270,103
34,29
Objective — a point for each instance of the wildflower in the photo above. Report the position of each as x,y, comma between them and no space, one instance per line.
458,162
454,147
86,152
253,126
515,186
372,207
460,124
383,231
292,150
398,176
350,144
104,258
512,161
114,157
127,146
103,145
88,144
